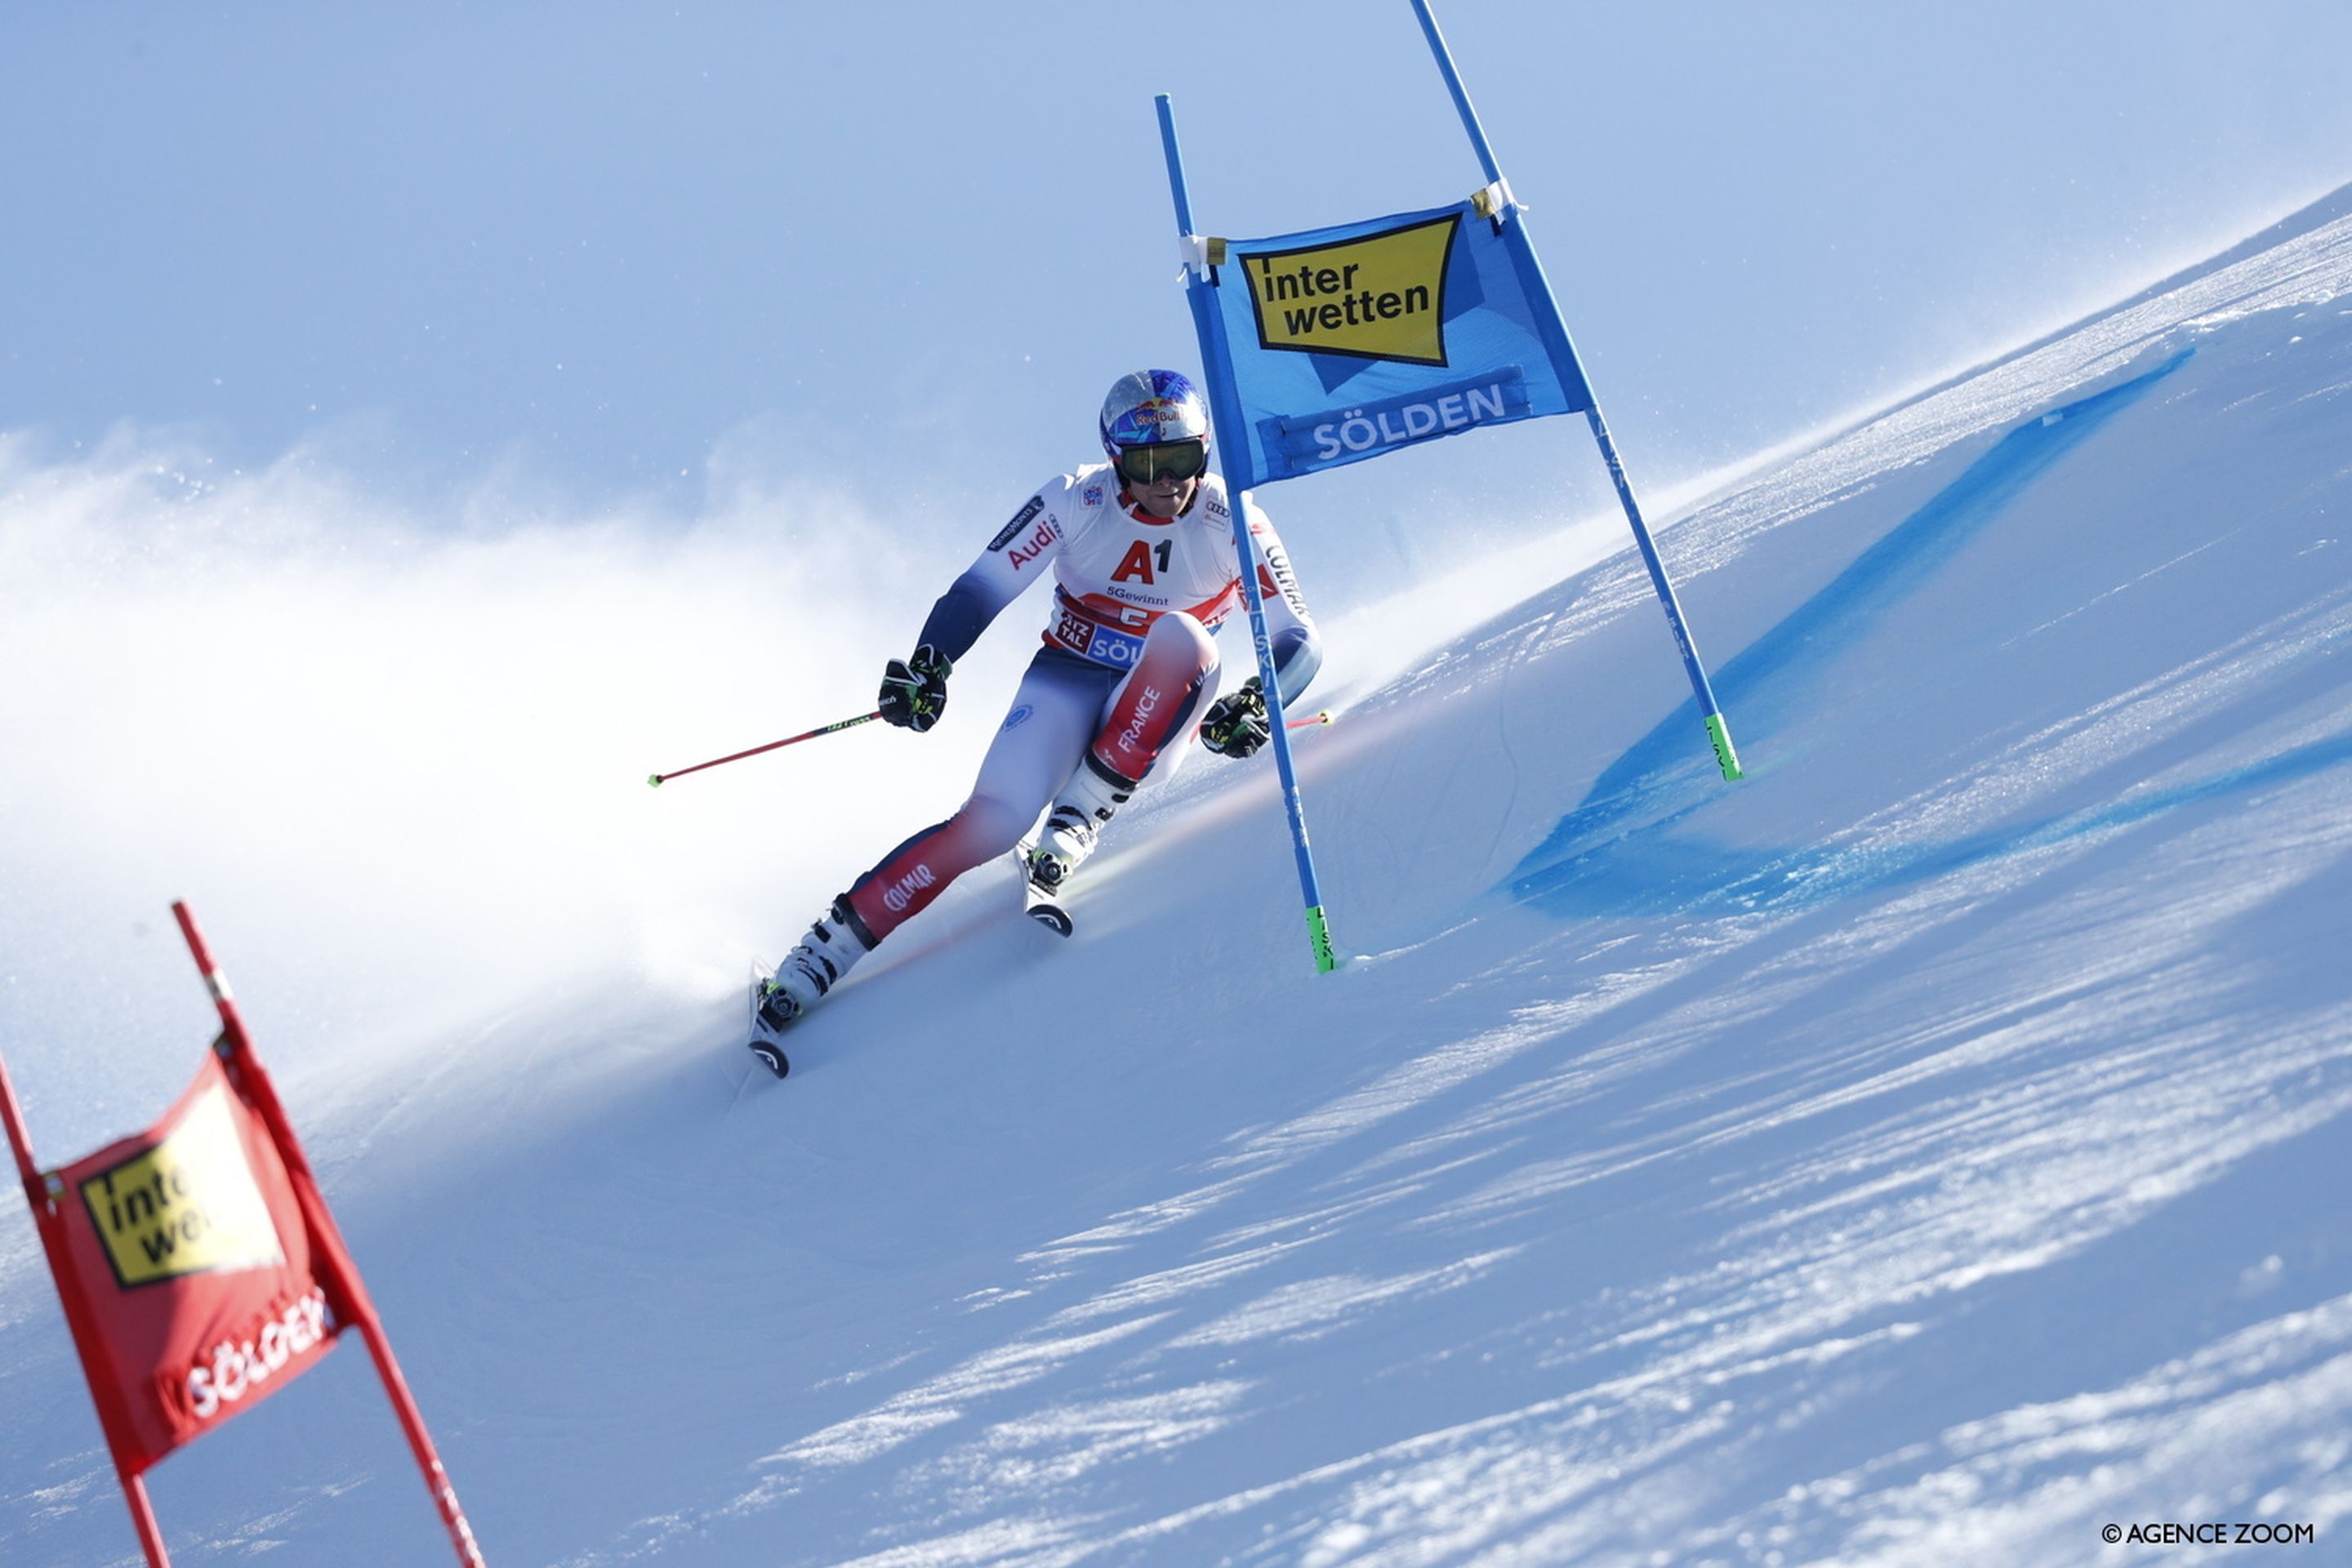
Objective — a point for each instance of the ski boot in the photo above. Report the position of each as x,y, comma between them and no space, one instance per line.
1087,802
808,972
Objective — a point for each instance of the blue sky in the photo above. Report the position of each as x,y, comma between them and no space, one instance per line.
574,250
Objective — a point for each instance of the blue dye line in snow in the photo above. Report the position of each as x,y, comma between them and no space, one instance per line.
1615,838
1647,873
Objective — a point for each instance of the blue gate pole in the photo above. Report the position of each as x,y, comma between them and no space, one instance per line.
1718,733
1224,410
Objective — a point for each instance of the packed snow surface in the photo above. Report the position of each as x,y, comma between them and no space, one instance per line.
1928,1149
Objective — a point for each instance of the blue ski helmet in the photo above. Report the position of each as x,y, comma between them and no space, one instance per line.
1152,406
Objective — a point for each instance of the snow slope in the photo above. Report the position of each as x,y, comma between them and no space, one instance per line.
1929,1150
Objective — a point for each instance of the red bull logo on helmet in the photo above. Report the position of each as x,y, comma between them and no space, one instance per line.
1155,419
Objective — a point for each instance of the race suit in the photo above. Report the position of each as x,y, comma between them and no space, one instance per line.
1127,670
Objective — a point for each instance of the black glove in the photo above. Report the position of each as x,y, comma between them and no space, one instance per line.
1236,723
915,688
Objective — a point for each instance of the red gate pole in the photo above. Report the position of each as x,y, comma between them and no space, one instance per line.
37,1194
263,1096
143,1518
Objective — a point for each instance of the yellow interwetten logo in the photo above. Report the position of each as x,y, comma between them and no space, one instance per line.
1380,296
186,1205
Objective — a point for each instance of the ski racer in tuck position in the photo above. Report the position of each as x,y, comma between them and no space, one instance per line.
1142,552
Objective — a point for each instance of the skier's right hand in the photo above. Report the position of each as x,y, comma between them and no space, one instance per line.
1236,724
915,688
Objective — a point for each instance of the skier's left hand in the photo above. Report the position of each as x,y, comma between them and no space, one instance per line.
1236,724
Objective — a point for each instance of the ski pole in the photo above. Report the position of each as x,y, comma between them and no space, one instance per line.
1322,718
655,779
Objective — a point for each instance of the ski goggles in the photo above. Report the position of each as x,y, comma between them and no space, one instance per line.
1178,460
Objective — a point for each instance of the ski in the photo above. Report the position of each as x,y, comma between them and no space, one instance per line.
771,1055
1042,904
764,1042
1042,908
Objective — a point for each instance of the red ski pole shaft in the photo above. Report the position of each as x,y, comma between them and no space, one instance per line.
1322,718
656,779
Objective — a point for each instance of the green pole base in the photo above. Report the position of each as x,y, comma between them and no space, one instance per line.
1724,757
1319,932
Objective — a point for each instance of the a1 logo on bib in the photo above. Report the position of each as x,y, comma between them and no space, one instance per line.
1378,296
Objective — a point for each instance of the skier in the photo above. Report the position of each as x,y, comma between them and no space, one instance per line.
1142,553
